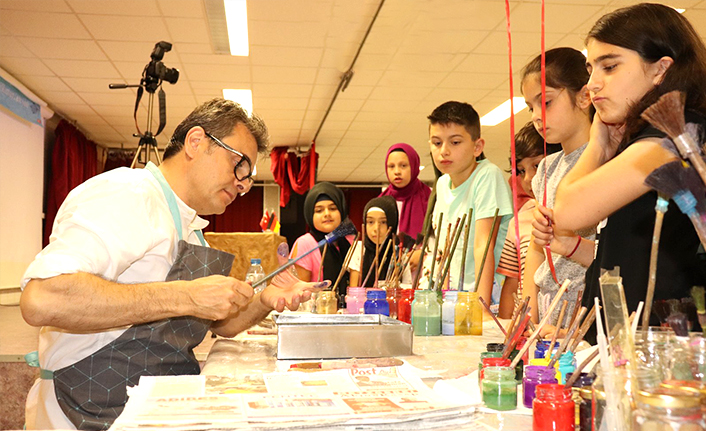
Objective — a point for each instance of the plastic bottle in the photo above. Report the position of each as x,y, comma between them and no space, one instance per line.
255,272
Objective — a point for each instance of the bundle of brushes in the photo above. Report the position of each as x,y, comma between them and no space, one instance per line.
697,292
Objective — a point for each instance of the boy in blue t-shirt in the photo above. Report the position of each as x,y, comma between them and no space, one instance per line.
469,180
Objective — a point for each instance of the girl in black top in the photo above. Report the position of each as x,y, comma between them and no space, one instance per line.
635,55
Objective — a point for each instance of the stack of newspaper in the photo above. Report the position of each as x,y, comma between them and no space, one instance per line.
384,398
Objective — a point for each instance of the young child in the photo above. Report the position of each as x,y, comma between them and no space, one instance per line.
469,181
380,214
529,152
324,209
635,55
411,195
568,121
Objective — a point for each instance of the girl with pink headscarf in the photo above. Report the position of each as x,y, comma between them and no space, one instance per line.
412,195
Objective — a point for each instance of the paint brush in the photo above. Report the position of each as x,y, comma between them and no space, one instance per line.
453,249
683,185
567,341
344,229
436,248
482,301
585,326
517,316
346,262
660,209
487,246
559,324
323,259
420,265
662,311
515,337
466,232
374,265
544,321
667,115
449,246
697,292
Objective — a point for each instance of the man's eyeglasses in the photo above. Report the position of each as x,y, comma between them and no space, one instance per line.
243,169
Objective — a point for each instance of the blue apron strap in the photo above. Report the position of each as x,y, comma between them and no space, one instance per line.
32,359
171,201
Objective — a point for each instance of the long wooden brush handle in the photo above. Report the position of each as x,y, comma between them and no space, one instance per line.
660,209
487,246
559,323
576,374
466,231
346,262
562,347
485,305
449,258
420,264
436,248
544,321
590,318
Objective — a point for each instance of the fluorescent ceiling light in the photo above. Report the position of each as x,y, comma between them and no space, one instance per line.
679,9
237,21
421,168
239,96
584,52
502,112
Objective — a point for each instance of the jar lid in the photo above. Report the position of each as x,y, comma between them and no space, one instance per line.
494,347
668,398
586,393
376,294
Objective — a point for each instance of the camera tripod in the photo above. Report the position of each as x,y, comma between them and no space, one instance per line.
148,141
154,73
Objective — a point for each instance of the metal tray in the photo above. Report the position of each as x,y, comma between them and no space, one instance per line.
329,336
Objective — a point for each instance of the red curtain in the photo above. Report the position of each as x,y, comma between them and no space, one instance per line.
118,159
74,160
243,215
292,172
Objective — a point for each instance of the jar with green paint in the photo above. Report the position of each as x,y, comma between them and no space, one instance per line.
499,388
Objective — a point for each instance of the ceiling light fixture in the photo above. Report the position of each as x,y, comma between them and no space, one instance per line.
502,112
240,96
237,21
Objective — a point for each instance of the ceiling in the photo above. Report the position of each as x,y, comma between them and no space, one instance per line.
419,54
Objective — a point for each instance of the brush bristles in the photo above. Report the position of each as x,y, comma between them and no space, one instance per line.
667,113
344,229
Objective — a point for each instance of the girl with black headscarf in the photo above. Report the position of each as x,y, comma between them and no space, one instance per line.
380,214
324,209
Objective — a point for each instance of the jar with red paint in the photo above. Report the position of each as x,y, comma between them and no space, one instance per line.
404,305
553,409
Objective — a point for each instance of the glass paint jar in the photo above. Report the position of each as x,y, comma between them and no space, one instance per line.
567,365
499,388
355,300
376,303
667,410
581,393
489,363
448,312
326,302
462,314
393,297
543,362
404,306
553,409
484,355
426,313
476,314
535,375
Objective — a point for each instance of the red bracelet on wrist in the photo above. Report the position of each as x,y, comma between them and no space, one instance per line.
578,243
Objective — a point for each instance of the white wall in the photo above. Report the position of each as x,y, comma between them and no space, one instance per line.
21,193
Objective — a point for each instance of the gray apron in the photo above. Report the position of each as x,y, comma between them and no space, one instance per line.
92,392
